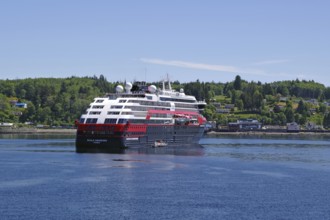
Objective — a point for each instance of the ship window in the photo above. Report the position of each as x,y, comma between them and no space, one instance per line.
99,100
110,121
91,120
134,101
126,113
122,121
137,121
116,107
137,108
183,105
113,113
82,120
94,113
149,97
122,100
98,106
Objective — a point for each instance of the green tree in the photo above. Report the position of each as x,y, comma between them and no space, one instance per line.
257,100
251,102
327,93
4,103
239,104
302,120
210,112
322,108
29,114
238,83
326,120
289,113
281,118
267,90
301,109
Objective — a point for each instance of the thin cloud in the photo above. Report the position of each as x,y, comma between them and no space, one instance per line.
268,62
201,66
290,76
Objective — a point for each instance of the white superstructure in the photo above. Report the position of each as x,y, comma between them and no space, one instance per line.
132,103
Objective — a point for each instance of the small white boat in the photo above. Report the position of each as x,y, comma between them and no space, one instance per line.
159,143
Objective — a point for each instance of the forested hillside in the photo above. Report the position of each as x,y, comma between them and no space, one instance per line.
60,101
51,101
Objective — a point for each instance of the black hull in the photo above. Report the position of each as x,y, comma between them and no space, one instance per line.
92,144
172,135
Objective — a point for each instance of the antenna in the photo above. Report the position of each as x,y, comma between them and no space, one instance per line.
169,83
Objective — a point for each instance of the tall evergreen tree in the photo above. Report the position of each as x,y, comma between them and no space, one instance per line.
238,83
289,112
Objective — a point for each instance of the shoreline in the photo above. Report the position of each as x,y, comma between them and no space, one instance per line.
48,131
72,131
267,133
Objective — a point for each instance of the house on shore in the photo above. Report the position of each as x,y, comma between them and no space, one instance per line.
245,125
292,127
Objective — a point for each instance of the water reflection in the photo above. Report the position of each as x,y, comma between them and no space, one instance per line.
286,151
54,143
191,150
302,150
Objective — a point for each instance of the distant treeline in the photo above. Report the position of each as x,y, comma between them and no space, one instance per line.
60,101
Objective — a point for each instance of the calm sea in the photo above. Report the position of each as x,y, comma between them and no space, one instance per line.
228,178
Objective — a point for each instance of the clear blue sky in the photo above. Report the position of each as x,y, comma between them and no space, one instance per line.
139,39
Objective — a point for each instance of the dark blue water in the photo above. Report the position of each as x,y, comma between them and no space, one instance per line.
228,178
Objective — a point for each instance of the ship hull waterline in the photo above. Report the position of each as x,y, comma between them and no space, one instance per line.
117,142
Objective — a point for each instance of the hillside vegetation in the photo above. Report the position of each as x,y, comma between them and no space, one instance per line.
60,101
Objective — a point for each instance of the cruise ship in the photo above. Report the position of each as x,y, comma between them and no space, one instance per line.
139,116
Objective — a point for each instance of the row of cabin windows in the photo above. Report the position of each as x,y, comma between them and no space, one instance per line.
113,113
143,108
123,95
150,103
150,121
101,100
109,113
183,105
128,113
118,113
124,121
159,115
106,121
110,121
137,101
91,120
176,100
